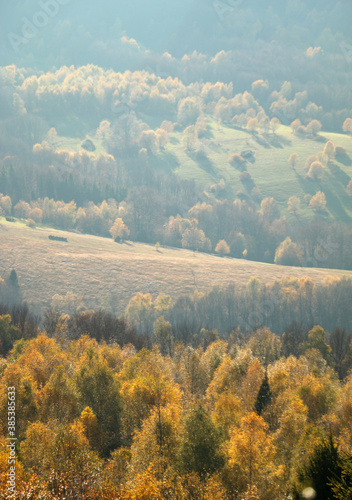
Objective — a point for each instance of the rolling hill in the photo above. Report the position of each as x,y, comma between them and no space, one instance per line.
103,271
270,173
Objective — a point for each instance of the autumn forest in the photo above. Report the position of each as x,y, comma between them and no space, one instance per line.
176,250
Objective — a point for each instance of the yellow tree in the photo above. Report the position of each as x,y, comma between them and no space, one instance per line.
291,423
293,161
316,170
119,231
146,385
139,312
330,150
222,248
293,205
347,126
251,456
157,441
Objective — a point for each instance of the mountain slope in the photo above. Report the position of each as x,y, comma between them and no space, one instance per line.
106,272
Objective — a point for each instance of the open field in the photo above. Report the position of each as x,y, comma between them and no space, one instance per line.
97,268
271,173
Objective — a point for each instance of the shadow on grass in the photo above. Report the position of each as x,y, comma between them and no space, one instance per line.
204,163
336,196
334,203
166,161
339,174
344,159
277,141
262,141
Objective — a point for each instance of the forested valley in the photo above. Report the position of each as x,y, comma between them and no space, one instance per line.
140,141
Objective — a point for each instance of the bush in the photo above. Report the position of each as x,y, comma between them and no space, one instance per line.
222,248
237,161
318,202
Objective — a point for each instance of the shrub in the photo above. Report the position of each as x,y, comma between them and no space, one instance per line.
288,253
222,248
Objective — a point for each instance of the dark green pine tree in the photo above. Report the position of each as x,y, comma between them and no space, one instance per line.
342,486
264,396
323,467
13,289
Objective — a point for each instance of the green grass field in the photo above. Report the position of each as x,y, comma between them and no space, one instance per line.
99,269
271,173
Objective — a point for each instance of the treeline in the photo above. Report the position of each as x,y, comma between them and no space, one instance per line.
33,100
231,419
240,229
281,305
249,39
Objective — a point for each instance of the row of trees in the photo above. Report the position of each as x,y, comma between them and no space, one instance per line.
280,306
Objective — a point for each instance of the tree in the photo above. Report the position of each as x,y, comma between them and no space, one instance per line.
330,150
251,457
146,385
347,126
194,239
149,141
288,253
139,312
200,444
269,209
264,396
99,389
293,161
222,248
317,340
163,335
314,127
275,124
8,335
91,428
189,110
119,231
316,170
318,202
252,125
349,188
339,342
52,137
36,214
156,443
265,346
323,466
237,244
293,205
296,125
237,161
342,486
6,204
189,138
12,283
22,209
59,397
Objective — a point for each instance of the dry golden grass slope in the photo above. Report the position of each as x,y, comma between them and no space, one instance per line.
97,267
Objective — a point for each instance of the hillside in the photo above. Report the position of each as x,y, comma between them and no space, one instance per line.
270,173
97,268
